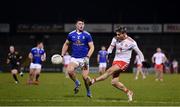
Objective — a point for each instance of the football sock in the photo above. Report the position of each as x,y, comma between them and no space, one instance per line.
37,77
77,82
15,77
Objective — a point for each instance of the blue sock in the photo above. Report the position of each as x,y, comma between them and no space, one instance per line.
88,92
77,82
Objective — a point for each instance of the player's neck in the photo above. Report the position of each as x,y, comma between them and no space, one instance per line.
125,37
78,31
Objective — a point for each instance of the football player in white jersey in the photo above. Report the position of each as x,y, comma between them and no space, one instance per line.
158,59
124,46
139,66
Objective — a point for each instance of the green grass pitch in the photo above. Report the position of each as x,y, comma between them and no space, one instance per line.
54,89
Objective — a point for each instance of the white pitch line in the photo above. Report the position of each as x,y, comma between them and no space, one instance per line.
93,100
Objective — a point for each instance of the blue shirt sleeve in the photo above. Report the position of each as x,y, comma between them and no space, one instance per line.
69,37
32,51
99,52
89,38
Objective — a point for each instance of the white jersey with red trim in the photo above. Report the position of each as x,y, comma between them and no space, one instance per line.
67,59
124,49
159,58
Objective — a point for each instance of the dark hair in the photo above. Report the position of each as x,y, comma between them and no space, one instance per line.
79,19
121,29
39,42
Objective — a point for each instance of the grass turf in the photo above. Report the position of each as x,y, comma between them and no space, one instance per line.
54,89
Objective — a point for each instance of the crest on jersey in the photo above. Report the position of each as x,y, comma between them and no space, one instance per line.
78,42
121,44
126,45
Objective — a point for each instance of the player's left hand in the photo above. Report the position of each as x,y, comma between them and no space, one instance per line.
86,60
43,58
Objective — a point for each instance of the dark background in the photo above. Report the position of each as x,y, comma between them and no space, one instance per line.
93,11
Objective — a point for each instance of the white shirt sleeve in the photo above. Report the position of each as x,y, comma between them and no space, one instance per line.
112,45
138,51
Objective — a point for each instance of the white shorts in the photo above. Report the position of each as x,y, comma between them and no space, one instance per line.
78,61
102,65
35,66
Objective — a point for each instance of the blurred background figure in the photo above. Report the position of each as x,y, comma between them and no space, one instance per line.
37,56
175,66
14,61
139,66
167,66
158,59
102,59
66,59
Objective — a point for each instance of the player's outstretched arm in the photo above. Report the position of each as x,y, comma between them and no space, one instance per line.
65,48
138,51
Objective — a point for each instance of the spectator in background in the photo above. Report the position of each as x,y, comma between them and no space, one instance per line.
175,66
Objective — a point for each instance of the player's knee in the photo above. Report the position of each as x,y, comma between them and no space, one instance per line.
114,82
70,68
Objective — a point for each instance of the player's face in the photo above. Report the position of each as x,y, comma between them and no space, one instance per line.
103,48
11,48
40,45
80,26
120,36
158,49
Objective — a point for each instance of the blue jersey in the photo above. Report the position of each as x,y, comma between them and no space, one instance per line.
37,53
102,56
79,43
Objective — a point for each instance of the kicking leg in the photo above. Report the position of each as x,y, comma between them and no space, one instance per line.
104,76
115,82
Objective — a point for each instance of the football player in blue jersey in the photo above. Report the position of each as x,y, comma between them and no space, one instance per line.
37,56
82,48
102,59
